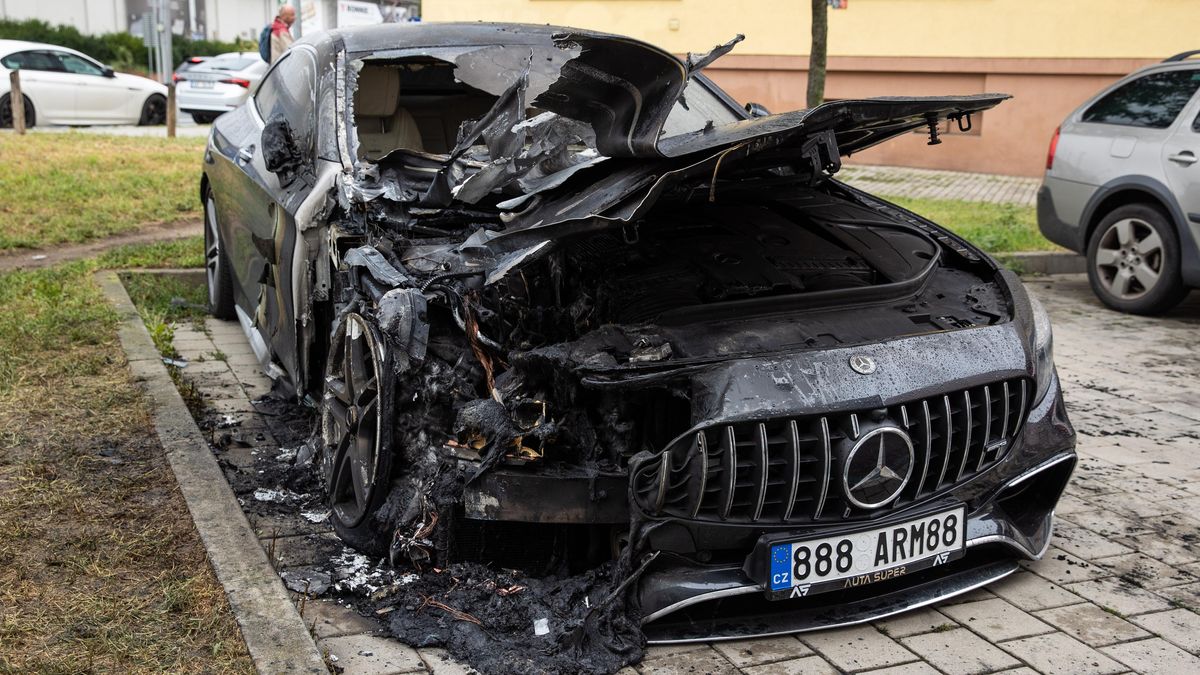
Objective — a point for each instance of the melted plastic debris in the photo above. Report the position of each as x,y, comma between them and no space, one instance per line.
278,496
356,573
316,516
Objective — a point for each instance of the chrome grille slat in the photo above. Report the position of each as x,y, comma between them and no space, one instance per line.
764,462
1023,411
826,461
702,451
789,465
1004,424
967,443
925,456
949,441
730,460
987,427
794,446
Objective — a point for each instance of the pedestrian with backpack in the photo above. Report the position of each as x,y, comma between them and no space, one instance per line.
277,37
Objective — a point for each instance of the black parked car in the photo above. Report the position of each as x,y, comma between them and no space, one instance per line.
561,300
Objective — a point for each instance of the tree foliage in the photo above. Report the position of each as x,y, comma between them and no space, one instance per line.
119,50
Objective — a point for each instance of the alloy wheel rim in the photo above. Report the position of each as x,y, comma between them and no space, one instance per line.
212,250
1129,259
351,421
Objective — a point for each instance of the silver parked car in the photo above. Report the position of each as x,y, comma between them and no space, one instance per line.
1121,186
218,85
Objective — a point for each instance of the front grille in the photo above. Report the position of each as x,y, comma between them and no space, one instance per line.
786,470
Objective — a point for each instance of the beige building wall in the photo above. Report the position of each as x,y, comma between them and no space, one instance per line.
1049,54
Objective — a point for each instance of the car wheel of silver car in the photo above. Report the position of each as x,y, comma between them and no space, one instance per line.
355,426
1133,261
216,266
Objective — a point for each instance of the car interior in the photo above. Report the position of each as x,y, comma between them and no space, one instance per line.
412,104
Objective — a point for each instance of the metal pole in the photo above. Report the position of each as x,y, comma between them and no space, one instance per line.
298,29
171,110
17,101
167,54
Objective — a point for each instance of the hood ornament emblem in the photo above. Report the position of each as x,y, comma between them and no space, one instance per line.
862,364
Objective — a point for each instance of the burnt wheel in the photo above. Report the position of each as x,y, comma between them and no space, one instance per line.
355,424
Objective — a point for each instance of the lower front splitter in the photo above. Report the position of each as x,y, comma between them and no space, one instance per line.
746,615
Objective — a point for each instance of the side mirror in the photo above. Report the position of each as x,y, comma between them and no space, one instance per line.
757,109
280,151
108,72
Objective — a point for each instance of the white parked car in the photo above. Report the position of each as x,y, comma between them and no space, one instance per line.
218,85
63,86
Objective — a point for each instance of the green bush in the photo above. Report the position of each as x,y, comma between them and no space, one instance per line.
120,50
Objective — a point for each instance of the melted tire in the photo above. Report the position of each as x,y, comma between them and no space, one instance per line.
361,530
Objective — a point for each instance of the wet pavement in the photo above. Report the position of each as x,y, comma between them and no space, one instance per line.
1118,591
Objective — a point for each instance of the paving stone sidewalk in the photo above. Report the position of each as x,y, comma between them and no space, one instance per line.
899,181
1118,591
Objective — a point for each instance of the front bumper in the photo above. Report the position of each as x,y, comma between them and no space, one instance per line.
1010,517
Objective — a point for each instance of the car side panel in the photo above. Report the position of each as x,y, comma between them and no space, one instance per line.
1183,177
52,94
234,193
1063,206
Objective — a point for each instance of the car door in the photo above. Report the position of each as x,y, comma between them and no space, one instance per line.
263,208
98,98
1123,132
45,82
1181,160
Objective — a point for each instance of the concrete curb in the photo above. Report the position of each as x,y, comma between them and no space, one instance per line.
1044,262
271,627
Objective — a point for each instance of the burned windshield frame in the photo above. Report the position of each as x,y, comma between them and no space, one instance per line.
701,94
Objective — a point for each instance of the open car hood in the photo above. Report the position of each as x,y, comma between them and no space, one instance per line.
626,89
856,124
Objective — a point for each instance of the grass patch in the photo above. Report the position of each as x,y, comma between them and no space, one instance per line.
996,228
101,568
167,299
70,188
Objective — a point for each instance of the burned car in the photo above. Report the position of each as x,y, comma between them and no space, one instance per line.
563,304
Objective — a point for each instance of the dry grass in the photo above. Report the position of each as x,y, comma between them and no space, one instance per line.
60,188
101,568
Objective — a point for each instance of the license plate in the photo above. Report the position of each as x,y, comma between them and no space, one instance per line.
201,84
801,568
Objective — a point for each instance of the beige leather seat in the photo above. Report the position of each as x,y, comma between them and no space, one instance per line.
383,126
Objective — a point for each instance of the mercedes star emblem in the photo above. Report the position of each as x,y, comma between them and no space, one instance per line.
862,364
878,467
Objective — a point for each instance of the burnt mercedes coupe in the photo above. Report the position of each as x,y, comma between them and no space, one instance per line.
561,302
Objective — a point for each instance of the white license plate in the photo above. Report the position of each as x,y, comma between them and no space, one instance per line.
800,568
201,84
